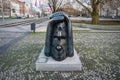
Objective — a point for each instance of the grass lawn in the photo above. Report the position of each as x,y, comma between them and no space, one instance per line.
98,52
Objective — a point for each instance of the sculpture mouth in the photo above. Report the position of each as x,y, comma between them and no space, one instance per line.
59,48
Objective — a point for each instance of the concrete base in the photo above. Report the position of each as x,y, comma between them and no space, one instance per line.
44,63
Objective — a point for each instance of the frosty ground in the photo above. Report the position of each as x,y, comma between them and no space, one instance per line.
99,53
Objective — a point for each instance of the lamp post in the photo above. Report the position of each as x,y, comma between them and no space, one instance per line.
2,11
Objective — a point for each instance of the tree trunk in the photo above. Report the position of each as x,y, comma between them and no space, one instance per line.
117,12
95,14
95,18
54,9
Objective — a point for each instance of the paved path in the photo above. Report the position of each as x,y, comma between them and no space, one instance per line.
80,26
7,39
11,35
84,18
25,28
7,21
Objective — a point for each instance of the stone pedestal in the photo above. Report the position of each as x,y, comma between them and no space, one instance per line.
44,63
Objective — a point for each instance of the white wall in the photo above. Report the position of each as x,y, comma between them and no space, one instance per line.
16,7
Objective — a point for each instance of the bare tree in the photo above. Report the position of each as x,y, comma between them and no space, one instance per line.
115,4
96,5
94,11
55,5
110,7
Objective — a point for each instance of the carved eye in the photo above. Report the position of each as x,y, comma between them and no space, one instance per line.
63,26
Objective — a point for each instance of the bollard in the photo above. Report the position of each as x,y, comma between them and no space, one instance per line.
33,27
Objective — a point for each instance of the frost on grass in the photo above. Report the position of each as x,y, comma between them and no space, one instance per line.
98,52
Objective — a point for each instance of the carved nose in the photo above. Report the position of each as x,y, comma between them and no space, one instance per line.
59,34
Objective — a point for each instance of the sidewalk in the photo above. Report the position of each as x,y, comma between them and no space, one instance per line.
8,21
88,19
97,27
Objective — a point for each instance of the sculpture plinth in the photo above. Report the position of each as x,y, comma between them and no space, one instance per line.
45,63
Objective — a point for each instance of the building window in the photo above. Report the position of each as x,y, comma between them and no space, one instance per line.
13,10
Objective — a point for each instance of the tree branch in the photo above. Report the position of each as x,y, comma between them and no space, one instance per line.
50,6
59,5
99,1
84,6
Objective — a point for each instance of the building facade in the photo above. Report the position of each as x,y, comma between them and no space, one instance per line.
27,9
22,8
5,8
15,8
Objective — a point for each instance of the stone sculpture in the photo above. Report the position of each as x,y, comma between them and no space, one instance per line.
59,38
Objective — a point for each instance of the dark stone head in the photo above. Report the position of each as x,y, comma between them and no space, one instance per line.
59,40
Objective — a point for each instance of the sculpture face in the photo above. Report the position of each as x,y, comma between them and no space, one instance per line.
59,41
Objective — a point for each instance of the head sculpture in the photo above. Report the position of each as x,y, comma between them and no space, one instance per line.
59,39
